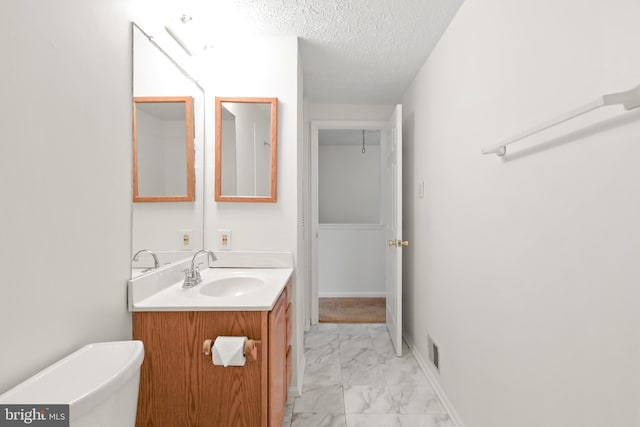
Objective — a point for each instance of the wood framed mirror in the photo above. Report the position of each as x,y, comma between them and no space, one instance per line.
246,149
163,153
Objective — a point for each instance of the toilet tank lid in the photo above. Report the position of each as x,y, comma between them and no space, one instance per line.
86,374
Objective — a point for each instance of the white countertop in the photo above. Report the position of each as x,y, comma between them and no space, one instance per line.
176,298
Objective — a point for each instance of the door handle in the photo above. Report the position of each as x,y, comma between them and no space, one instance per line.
398,243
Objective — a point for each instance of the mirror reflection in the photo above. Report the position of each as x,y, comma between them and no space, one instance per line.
246,149
170,231
163,149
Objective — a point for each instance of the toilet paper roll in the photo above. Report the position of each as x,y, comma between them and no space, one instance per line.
229,351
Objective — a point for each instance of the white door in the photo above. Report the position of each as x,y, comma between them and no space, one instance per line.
393,202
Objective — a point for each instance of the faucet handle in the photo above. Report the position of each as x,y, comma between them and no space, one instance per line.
188,278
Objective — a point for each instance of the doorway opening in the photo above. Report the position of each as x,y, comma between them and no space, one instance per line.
350,251
381,222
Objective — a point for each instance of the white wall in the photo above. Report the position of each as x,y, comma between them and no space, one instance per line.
157,226
352,112
228,174
348,184
65,180
245,150
351,249
151,161
175,155
262,144
351,260
525,269
162,158
259,226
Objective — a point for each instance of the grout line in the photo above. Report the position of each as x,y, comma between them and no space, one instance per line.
344,402
434,384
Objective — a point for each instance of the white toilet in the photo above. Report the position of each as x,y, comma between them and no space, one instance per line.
99,382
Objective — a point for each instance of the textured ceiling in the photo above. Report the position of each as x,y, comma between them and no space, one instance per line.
353,51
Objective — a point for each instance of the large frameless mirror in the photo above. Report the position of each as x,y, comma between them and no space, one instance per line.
246,149
171,230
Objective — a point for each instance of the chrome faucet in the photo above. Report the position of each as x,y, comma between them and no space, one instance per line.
192,275
156,263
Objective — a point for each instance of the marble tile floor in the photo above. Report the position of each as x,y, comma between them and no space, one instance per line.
353,378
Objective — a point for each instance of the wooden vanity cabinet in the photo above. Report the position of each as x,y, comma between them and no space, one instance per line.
180,386
277,361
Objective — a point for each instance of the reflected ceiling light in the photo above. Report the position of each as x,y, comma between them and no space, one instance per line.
184,36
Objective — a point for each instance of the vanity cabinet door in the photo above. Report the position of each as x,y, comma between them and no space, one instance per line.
180,386
289,333
278,361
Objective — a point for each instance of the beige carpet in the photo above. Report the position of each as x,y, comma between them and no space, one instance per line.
352,310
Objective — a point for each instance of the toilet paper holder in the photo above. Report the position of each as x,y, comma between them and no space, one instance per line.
251,348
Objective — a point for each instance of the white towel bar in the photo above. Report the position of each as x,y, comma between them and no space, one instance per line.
629,99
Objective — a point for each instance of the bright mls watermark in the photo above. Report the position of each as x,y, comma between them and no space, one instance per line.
34,415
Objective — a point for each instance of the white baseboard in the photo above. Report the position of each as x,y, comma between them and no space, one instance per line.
432,376
295,390
352,294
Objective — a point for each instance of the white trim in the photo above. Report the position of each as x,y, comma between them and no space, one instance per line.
352,295
295,390
326,226
432,376
348,124
314,220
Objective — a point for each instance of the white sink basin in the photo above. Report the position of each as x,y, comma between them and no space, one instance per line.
221,289
234,286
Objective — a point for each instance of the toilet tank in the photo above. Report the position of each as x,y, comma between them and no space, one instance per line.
99,382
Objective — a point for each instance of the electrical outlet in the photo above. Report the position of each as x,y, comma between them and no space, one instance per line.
186,241
224,240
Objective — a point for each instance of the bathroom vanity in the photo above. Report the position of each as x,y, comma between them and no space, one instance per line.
179,384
